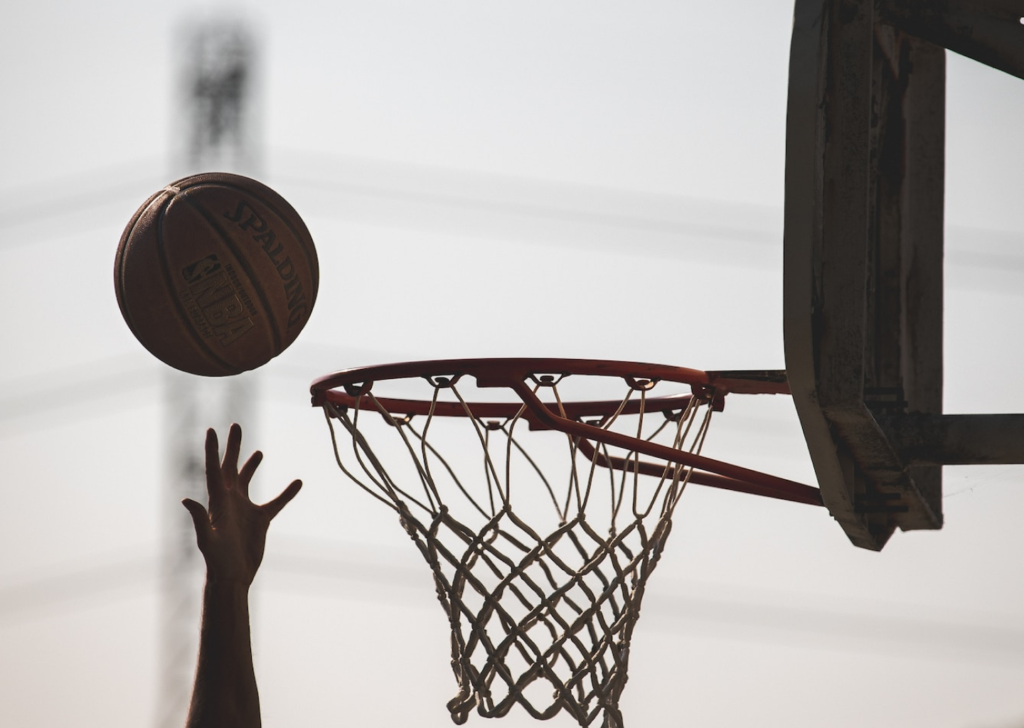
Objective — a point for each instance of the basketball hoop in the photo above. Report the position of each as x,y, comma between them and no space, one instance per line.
540,561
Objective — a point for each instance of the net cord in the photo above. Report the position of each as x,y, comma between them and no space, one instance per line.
587,624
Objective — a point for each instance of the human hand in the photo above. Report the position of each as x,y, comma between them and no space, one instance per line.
233,533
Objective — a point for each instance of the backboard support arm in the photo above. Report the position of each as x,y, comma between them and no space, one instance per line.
921,438
987,31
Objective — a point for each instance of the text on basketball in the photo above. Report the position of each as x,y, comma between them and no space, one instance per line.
247,219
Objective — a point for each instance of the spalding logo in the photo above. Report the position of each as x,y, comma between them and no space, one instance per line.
247,219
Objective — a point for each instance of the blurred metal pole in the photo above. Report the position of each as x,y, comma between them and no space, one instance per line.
215,100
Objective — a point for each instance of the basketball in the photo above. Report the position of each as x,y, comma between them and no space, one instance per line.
216,274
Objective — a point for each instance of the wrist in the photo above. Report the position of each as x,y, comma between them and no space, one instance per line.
226,585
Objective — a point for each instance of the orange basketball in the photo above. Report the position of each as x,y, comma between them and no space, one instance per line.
216,274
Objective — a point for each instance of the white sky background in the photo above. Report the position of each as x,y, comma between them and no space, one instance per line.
656,134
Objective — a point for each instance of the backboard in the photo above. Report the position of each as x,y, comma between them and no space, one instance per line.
863,268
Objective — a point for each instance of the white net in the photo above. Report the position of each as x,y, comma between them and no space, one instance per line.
540,560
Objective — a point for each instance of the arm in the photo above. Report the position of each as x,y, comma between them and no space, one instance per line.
231,537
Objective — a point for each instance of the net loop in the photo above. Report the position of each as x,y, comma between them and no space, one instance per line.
443,382
640,385
358,389
546,380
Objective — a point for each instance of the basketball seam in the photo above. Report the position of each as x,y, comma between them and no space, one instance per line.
268,310
165,268
122,252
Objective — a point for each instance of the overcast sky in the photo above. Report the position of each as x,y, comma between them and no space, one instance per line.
518,178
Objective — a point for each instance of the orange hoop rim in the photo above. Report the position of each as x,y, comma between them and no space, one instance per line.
350,388
506,372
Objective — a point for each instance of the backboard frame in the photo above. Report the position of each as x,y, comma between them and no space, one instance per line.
863,260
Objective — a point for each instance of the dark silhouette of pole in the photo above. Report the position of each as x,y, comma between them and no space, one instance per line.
215,100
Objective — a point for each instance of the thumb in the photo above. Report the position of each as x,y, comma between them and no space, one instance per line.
274,507
200,518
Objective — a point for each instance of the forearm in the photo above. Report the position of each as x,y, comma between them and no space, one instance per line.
231,534
225,694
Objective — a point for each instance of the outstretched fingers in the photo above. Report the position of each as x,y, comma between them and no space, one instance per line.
200,519
214,477
248,470
231,450
224,475
274,507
